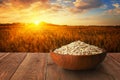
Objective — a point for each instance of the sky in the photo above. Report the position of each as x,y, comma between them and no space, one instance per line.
63,12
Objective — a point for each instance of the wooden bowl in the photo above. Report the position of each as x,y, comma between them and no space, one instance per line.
77,62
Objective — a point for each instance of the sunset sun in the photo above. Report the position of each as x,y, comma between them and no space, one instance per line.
36,22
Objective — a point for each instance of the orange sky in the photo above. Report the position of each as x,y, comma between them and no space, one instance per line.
68,12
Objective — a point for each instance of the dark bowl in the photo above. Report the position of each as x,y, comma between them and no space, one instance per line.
78,62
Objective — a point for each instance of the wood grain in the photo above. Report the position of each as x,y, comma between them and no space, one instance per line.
9,64
53,71
115,56
32,68
3,55
108,70
39,66
111,67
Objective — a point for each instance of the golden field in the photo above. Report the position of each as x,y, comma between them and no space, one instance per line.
47,37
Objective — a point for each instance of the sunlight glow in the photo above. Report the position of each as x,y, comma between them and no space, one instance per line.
36,22
36,25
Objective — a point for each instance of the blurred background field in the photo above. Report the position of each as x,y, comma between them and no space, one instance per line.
46,37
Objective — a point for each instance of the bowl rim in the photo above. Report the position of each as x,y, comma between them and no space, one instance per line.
104,52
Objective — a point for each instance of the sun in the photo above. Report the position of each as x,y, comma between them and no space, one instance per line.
36,22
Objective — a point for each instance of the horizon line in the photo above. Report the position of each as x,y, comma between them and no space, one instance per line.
59,24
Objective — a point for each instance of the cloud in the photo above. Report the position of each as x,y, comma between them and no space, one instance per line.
26,3
116,5
55,7
87,4
76,10
82,5
29,5
16,10
67,1
59,11
77,6
22,3
115,10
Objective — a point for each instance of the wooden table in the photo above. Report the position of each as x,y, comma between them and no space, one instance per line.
39,66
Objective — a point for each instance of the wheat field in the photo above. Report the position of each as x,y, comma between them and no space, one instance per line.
22,38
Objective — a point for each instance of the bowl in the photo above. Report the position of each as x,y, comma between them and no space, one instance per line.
78,62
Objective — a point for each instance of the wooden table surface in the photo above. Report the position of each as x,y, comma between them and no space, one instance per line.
39,66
